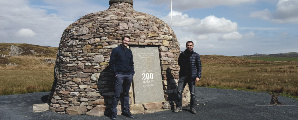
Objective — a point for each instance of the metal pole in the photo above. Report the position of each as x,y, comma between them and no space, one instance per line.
171,12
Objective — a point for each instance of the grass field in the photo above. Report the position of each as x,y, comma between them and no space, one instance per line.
23,74
249,74
25,81
26,74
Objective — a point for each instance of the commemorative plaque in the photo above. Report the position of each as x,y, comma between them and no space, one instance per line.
147,81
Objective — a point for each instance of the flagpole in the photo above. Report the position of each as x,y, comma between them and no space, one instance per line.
171,12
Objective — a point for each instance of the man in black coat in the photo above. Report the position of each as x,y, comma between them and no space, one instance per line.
121,62
190,72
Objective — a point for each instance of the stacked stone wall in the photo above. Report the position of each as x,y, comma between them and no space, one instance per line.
83,81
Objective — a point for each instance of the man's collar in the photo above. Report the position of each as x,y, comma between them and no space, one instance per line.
188,51
123,46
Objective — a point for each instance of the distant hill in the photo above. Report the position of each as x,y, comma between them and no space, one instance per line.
290,54
22,49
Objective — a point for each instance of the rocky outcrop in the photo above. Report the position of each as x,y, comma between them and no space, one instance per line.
15,50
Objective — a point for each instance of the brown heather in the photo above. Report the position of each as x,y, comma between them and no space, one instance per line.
246,74
26,74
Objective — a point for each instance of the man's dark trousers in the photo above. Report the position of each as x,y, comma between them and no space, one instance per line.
181,85
122,86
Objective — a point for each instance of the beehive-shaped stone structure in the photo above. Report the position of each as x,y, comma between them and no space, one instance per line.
83,81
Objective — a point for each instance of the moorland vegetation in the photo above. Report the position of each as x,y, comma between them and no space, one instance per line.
32,70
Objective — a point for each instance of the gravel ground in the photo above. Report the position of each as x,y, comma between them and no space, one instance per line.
213,104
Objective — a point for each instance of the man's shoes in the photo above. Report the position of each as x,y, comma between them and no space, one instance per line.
113,117
193,110
127,115
178,109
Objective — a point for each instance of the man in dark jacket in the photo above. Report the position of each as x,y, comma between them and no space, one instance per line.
190,72
121,62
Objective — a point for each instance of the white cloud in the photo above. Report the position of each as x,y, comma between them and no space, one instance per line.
26,33
180,19
286,9
212,24
286,12
209,24
264,14
202,37
193,4
211,35
231,36
22,23
249,35
73,9
259,28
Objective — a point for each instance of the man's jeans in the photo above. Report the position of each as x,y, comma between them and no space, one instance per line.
181,85
122,86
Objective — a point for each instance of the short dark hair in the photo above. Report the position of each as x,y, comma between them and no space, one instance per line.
125,37
189,42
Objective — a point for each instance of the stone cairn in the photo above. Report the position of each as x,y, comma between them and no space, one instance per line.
83,81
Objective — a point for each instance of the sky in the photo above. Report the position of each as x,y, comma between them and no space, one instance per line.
217,27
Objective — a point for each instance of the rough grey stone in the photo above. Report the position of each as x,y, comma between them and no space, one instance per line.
147,78
15,50
40,107
76,110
